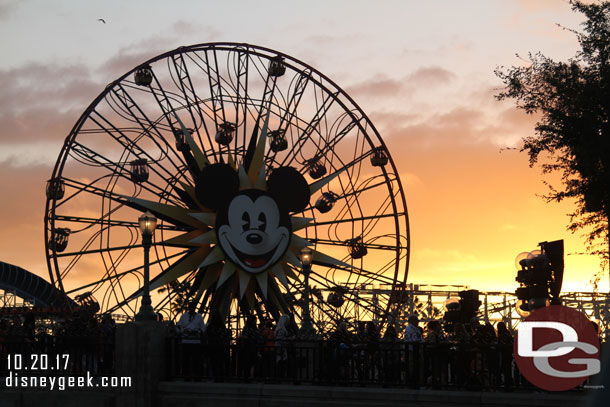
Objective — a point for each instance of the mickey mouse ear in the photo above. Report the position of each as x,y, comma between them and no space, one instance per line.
289,189
216,185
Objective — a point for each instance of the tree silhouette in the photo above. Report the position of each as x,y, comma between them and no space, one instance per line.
573,99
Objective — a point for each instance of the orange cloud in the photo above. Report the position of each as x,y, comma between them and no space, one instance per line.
432,75
382,86
376,87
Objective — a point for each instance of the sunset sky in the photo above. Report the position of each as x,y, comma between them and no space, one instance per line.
422,71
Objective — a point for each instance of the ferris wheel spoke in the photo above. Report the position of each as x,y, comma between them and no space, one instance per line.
118,135
350,194
266,99
113,291
295,99
384,207
356,272
263,109
317,185
347,244
92,157
351,207
310,128
197,159
100,250
174,296
355,299
289,115
111,222
134,203
104,221
119,169
241,92
324,310
147,126
158,280
354,171
358,219
329,146
177,126
112,263
367,187
190,95
81,187
368,222
361,301
215,84
351,202
88,243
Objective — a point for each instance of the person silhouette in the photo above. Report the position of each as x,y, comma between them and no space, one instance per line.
190,328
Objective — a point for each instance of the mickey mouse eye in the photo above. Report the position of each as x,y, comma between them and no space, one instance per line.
246,221
262,222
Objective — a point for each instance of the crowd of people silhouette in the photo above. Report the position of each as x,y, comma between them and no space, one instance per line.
433,354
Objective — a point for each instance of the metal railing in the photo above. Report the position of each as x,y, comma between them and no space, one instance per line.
443,365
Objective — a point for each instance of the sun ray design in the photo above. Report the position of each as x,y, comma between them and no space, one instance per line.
244,181
321,258
210,277
205,218
190,190
289,272
176,213
215,256
300,223
227,271
262,282
278,271
299,242
292,258
208,237
316,186
180,268
258,160
190,239
244,282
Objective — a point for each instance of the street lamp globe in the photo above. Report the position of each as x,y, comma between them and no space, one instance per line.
148,223
306,254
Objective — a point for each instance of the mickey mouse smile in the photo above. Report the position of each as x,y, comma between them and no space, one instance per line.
252,261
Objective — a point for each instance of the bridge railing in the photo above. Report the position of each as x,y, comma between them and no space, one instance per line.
415,365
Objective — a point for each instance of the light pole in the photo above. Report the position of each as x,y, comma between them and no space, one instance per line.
148,223
307,329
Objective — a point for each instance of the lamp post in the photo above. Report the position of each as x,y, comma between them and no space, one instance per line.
148,223
307,329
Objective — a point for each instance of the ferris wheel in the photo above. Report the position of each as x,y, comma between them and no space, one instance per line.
245,156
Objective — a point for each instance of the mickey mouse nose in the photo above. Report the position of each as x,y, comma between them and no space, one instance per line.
254,238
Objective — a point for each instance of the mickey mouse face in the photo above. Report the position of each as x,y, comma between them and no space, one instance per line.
252,226
252,230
